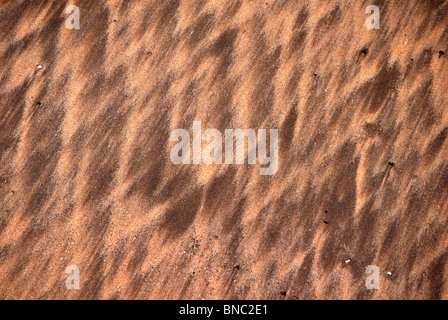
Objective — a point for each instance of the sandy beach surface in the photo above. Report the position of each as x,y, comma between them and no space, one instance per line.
86,177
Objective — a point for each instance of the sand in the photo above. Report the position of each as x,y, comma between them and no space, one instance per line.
86,177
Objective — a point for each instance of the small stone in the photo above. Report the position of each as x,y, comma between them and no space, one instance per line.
347,261
389,273
40,66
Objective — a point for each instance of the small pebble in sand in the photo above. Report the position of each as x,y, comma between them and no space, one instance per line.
40,66
389,273
347,261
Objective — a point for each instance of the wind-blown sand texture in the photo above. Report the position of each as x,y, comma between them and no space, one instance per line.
86,178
